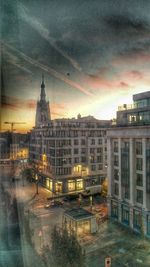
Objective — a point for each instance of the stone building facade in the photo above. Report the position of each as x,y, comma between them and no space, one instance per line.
69,154
129,166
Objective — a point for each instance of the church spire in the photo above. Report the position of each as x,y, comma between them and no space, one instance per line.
43,116
43,95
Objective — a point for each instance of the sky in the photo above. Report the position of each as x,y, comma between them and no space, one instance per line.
94,55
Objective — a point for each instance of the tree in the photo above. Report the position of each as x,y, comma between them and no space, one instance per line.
105,187
65,250
28,174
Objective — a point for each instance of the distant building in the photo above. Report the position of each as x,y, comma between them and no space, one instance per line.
5,140
4,153
129,165
69,154
14,145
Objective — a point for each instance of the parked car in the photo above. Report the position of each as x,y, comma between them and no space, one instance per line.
53,203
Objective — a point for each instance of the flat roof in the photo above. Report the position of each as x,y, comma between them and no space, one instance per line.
141,96
78,214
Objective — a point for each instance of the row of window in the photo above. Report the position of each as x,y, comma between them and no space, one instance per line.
67,171
125,144
125,163
68,133
139,193
125,215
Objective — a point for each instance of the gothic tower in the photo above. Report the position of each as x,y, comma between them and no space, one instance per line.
42,110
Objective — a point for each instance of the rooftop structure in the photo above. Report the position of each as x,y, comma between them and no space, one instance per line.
78,214
80,221
137,113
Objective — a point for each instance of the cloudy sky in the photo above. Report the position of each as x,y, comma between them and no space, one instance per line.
94,54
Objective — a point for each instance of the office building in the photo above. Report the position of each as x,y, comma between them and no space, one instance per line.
129,165
68,154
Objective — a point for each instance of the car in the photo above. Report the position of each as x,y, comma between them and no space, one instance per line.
57,202
47,205
53,203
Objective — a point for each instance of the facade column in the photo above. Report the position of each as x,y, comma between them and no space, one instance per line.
119,155
109,174
131,216
132,172
144,172
109,167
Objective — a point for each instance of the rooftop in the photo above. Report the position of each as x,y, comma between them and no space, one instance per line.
78,214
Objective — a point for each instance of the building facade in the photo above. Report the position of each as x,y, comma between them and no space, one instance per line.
129,165
69,154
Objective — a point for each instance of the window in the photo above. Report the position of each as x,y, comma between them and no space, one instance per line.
125,215
83,159
116,189
138,147
100,141
76,160
99,150
99,159
92,159
114,209
79,184
76,151
100,167
139,179
76,142
148,225
92,150
71,185
139,164
115,146
116,174
83,150
139,196
83,142
93,142
136,219
116,161
93,167
127,192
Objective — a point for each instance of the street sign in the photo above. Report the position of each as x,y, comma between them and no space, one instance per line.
108,262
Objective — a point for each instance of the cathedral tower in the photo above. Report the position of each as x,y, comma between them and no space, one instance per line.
42,110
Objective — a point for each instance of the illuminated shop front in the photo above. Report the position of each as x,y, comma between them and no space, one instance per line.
58,187
79,184
71,185
49,184
80,221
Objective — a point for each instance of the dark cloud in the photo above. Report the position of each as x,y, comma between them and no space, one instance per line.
15,103
124,84
123,23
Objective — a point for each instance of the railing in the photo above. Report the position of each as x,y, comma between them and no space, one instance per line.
131,106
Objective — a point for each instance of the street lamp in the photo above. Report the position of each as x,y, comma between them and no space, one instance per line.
37,183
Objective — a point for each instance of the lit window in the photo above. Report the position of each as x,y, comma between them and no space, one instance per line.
71,185
79,184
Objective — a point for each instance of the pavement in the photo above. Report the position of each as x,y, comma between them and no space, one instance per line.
123,246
